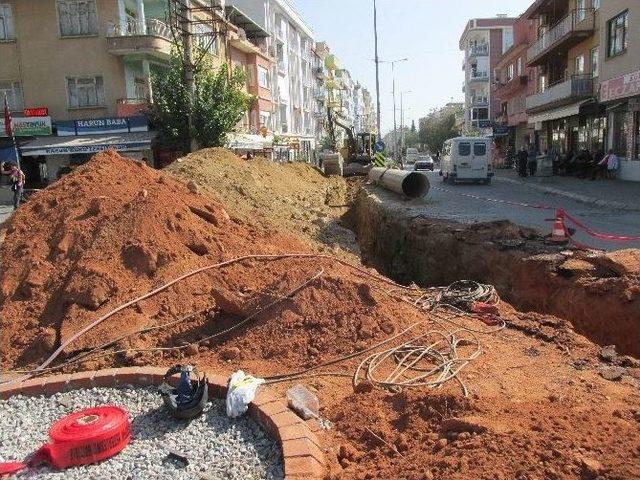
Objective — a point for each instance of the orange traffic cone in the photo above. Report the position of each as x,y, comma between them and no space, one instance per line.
559,232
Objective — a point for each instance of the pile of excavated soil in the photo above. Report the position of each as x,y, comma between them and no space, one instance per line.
543,401
291,196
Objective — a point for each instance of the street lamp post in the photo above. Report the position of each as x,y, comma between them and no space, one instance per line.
402,118
395,125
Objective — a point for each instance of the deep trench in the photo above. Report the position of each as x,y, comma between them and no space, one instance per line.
527,272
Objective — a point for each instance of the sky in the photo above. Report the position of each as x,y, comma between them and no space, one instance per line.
424,31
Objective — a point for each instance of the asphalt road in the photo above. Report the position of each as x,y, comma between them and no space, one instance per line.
446,201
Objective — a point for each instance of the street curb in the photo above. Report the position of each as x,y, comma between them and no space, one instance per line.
301,447
573,196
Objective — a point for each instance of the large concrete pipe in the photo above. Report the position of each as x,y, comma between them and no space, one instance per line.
410,184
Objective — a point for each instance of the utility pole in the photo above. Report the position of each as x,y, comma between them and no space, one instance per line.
402,125
375,33
185,19
395,127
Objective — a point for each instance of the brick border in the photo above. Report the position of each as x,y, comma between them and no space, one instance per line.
301,447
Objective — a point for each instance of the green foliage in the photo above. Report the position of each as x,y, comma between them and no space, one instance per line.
438,126
413,126
218,105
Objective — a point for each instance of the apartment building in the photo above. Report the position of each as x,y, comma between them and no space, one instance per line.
566,54
619,78
483,42
77,74
291,42
514,81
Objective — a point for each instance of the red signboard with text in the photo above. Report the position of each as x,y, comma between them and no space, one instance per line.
36,112
620,87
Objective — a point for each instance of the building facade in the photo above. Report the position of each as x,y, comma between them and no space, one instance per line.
514,81
483,42
619,81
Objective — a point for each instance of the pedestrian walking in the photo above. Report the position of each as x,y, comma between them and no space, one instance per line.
17,181
532,155
522,162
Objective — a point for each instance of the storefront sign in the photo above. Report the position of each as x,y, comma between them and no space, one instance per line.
620,87
93,126
69,149
28,126
36,112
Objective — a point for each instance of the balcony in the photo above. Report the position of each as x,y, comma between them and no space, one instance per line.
478,76
511,86
478,50
571,30
576,88
480,101
153,37
318,72
132,107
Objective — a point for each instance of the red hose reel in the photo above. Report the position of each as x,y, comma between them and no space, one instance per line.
84,437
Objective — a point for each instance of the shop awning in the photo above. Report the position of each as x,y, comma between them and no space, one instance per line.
247,141
563,112
122,142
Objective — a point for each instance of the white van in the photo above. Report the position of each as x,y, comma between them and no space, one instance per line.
466,159
411,156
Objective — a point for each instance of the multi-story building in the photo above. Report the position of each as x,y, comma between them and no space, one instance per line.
320,52
291,42
483,42
77,73
514,80
369,114
619,76
564,110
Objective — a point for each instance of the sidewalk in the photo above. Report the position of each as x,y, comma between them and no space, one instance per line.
614,194
5,211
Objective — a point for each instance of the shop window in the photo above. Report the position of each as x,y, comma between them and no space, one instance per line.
6,23
13,91
636,134
595,67
85,92
620,126
596,4
77,17
617,34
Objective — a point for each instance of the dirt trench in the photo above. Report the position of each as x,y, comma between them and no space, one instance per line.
598,293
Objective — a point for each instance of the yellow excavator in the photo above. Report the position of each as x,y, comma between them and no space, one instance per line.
357,152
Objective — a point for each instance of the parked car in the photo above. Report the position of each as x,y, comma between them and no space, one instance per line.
466,159
424,162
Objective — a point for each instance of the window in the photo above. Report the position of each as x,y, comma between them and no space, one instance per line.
542,83
595,70
581,13
479,149
85,92
510,72
77,17
265,119
464,149
263,77
579,65
206,38
519,66
14,95
6,23
617,34
596,4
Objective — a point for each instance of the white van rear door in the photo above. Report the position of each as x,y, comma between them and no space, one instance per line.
464,158
479,159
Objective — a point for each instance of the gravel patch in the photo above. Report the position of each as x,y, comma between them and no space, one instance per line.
217,447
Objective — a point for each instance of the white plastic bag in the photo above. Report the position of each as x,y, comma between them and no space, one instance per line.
241,391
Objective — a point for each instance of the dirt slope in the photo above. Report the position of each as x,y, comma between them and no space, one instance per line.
292,196
539,405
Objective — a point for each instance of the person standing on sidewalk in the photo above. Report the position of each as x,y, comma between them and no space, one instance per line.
522,162
609,163
17,181
532,159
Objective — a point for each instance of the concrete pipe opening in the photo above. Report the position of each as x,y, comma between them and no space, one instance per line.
415,185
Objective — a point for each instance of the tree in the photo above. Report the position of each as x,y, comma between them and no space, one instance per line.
218,105
413,126
439,126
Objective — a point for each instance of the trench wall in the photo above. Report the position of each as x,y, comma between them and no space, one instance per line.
592,294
